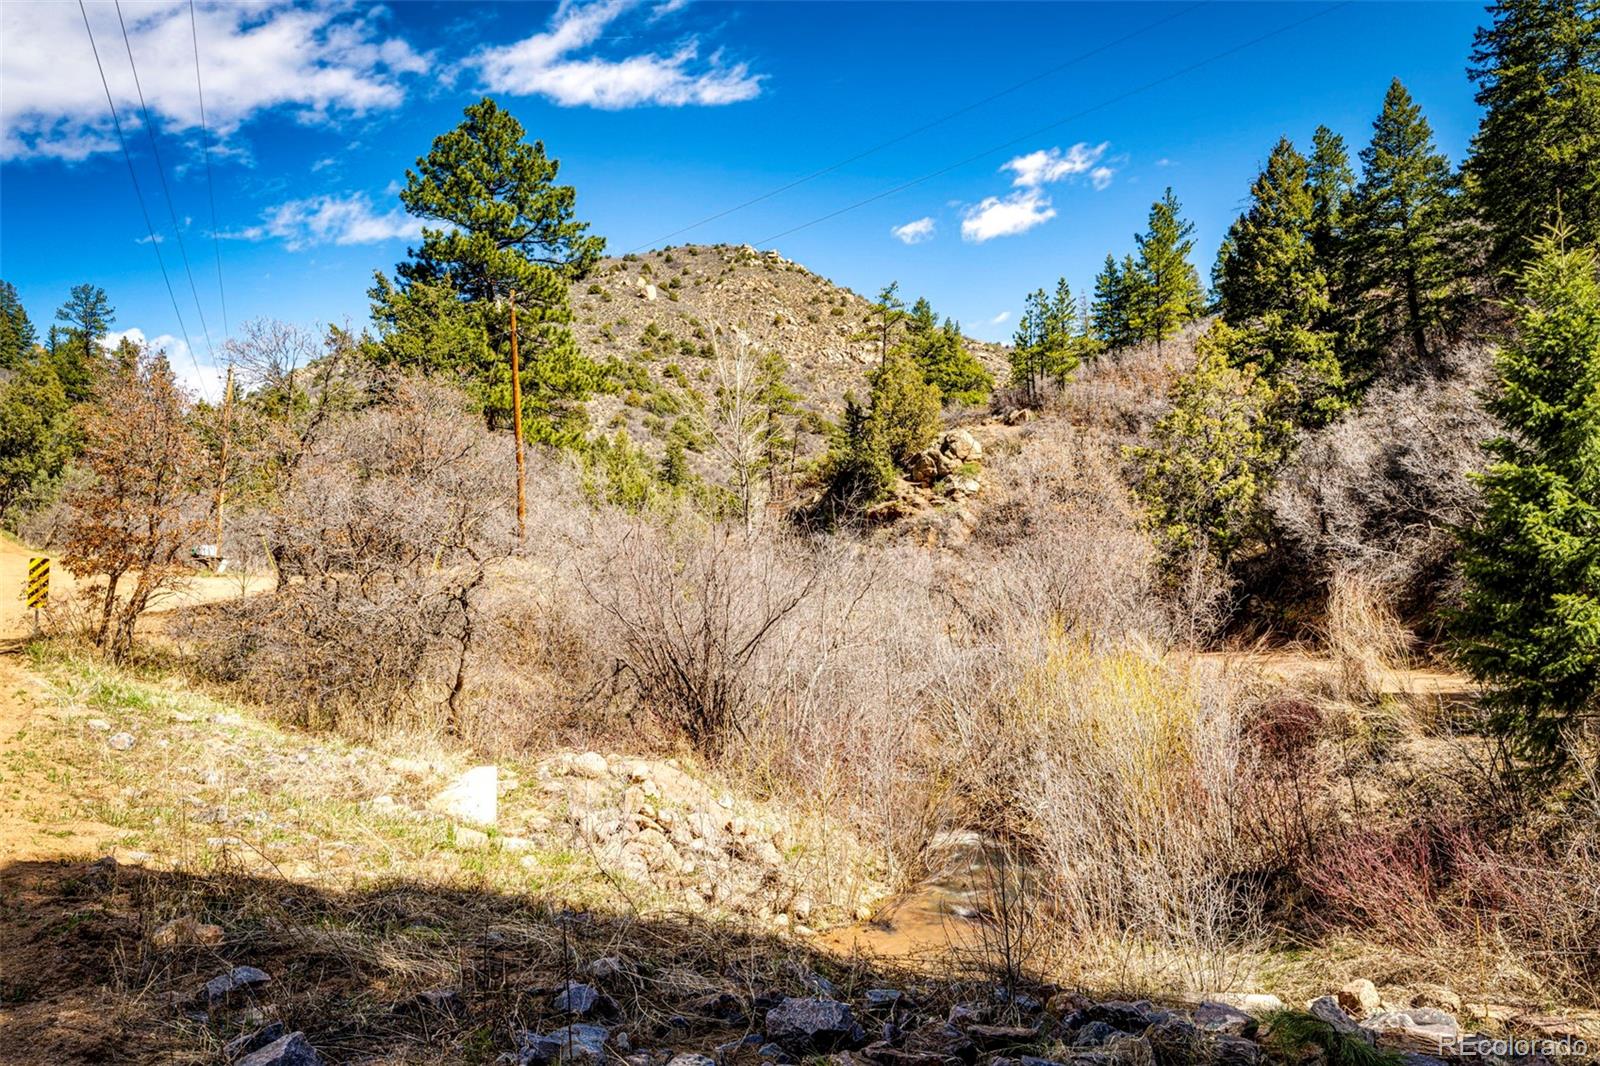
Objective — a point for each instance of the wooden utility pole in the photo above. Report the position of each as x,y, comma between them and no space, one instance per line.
516,422
222,459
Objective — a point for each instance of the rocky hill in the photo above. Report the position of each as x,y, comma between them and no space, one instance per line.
676,306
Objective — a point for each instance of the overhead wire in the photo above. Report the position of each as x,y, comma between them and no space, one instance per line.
211,185
138,193
172,208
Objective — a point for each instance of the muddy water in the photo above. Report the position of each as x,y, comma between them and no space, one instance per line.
939,915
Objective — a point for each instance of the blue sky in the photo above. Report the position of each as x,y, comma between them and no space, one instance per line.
666,112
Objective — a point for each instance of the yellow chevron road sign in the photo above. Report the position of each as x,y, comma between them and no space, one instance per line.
38,582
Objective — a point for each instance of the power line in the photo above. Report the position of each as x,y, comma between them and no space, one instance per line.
926,126
975,157
155,241
211,186
172,209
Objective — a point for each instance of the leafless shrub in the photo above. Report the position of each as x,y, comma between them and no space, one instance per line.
1379,491
392,522
1126,773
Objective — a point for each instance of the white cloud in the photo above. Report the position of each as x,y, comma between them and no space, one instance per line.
914,232
551,64
1049,165
198,378
1000,319
150,238
349,219
1100,177
1006,216
314,61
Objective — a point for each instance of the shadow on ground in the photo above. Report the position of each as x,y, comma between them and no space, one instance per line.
87,972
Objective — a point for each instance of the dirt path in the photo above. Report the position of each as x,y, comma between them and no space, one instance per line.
16,620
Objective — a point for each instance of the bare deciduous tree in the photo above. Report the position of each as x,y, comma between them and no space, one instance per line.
132,524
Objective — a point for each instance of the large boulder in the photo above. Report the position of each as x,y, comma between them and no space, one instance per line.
813,1026
472,797
1327,1009
961,445
1221,1018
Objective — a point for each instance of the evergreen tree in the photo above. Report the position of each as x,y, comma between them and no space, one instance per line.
1108,311
17,335
889,311
1136,298
36,432
857,469
1332,184
75,353
1269,262
1537,150
1529,626
779,405
1214,454
1047,345
1173,294
905,407
507,228
1405,268
1272,289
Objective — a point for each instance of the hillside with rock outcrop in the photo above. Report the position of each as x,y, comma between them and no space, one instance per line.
677,307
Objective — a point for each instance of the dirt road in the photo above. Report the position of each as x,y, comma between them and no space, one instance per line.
16,620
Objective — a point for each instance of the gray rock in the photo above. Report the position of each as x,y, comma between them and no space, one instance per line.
941,1038
1425,1030
582,1043
582,1001
774,1053
1221,1018
1093,1034
993,1037
884,998
254,1041
604,967
291,1050
120,741
435,1000
1236,1051
1128,1017
813,1026
886,1054
238,980
1327,1009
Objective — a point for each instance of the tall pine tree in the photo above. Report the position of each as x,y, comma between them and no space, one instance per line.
1173,295
17,335
75,355
506,227
1406,272
1537,150
1529,627
1271,286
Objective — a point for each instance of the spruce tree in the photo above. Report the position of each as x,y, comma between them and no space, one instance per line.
1529,625
1172,295
17,335
505,227
1537,150
1272,288
1332,184
1405,271
1108,310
